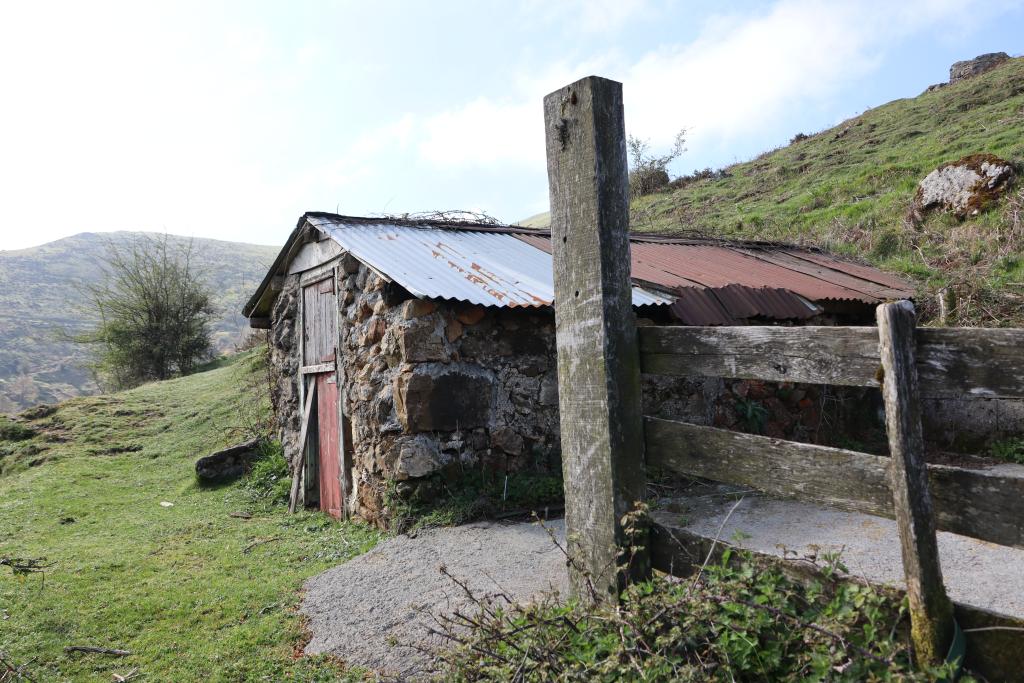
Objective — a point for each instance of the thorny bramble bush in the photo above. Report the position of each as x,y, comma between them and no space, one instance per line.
739,619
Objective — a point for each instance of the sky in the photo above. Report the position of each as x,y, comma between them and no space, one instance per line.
229,120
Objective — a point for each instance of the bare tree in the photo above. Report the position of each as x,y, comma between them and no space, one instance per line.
649,172
152,313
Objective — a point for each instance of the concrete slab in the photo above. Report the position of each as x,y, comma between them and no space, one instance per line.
975,572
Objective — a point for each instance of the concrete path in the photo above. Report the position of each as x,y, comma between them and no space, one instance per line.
369,610
975,572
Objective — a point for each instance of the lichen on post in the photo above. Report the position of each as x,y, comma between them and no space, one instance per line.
931,612
598,362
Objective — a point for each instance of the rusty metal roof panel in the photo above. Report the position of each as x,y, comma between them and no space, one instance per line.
761,270
482,267
733,304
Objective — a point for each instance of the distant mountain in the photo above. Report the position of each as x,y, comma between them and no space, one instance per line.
42,292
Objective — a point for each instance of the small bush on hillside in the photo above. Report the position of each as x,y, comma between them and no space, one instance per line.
152,314
270,481
649,173
706,174
740,620
14,431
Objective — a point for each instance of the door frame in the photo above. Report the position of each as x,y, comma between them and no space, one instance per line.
327,271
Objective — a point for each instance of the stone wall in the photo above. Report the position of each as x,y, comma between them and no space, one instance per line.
284,364
436,388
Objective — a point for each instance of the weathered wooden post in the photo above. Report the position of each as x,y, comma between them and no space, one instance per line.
931,613
598,361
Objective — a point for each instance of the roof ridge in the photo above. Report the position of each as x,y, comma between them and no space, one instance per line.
441,223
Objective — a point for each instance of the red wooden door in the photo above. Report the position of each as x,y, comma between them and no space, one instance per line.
331,500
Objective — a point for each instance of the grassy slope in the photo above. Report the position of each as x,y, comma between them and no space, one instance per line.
849,188
173,585
42,292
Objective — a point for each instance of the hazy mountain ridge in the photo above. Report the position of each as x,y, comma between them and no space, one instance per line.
42,292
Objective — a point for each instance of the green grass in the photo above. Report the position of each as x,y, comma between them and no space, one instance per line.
192,592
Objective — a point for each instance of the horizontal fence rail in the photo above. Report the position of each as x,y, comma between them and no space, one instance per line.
977,503
950,362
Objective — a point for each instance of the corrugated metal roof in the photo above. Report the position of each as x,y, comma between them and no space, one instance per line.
707,282
732,304
490,268
691,265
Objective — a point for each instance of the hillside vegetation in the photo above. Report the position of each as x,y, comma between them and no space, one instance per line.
849,189
143,559
42,292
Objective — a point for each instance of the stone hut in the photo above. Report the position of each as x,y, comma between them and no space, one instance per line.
419,349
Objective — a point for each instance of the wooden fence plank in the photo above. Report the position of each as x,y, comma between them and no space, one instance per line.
795,354
595,328
979,362
931,613
950,362
300,465
983,504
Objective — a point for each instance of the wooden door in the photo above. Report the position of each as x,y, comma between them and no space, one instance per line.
331,499
319,358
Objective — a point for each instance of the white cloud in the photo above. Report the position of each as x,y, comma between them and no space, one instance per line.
484,133
588,16
739,77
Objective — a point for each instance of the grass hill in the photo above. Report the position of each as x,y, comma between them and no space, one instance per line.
42,292
849,188
142,558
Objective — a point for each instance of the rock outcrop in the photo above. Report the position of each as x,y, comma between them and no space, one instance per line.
229,463
963,187
970,68
974,67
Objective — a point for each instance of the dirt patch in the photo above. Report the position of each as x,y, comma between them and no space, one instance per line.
374,610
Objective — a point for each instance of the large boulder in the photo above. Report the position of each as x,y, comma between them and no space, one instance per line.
974,67
963,187
229,463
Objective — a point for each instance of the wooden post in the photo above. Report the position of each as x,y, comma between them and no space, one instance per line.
300,465
931,613
598,362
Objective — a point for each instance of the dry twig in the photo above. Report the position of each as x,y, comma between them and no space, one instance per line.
258,542
97,650
12,672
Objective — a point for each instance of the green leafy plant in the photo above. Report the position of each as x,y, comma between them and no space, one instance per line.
1010,450
270,481
752,415
739,619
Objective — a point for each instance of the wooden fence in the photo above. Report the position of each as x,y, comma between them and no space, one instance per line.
607,443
